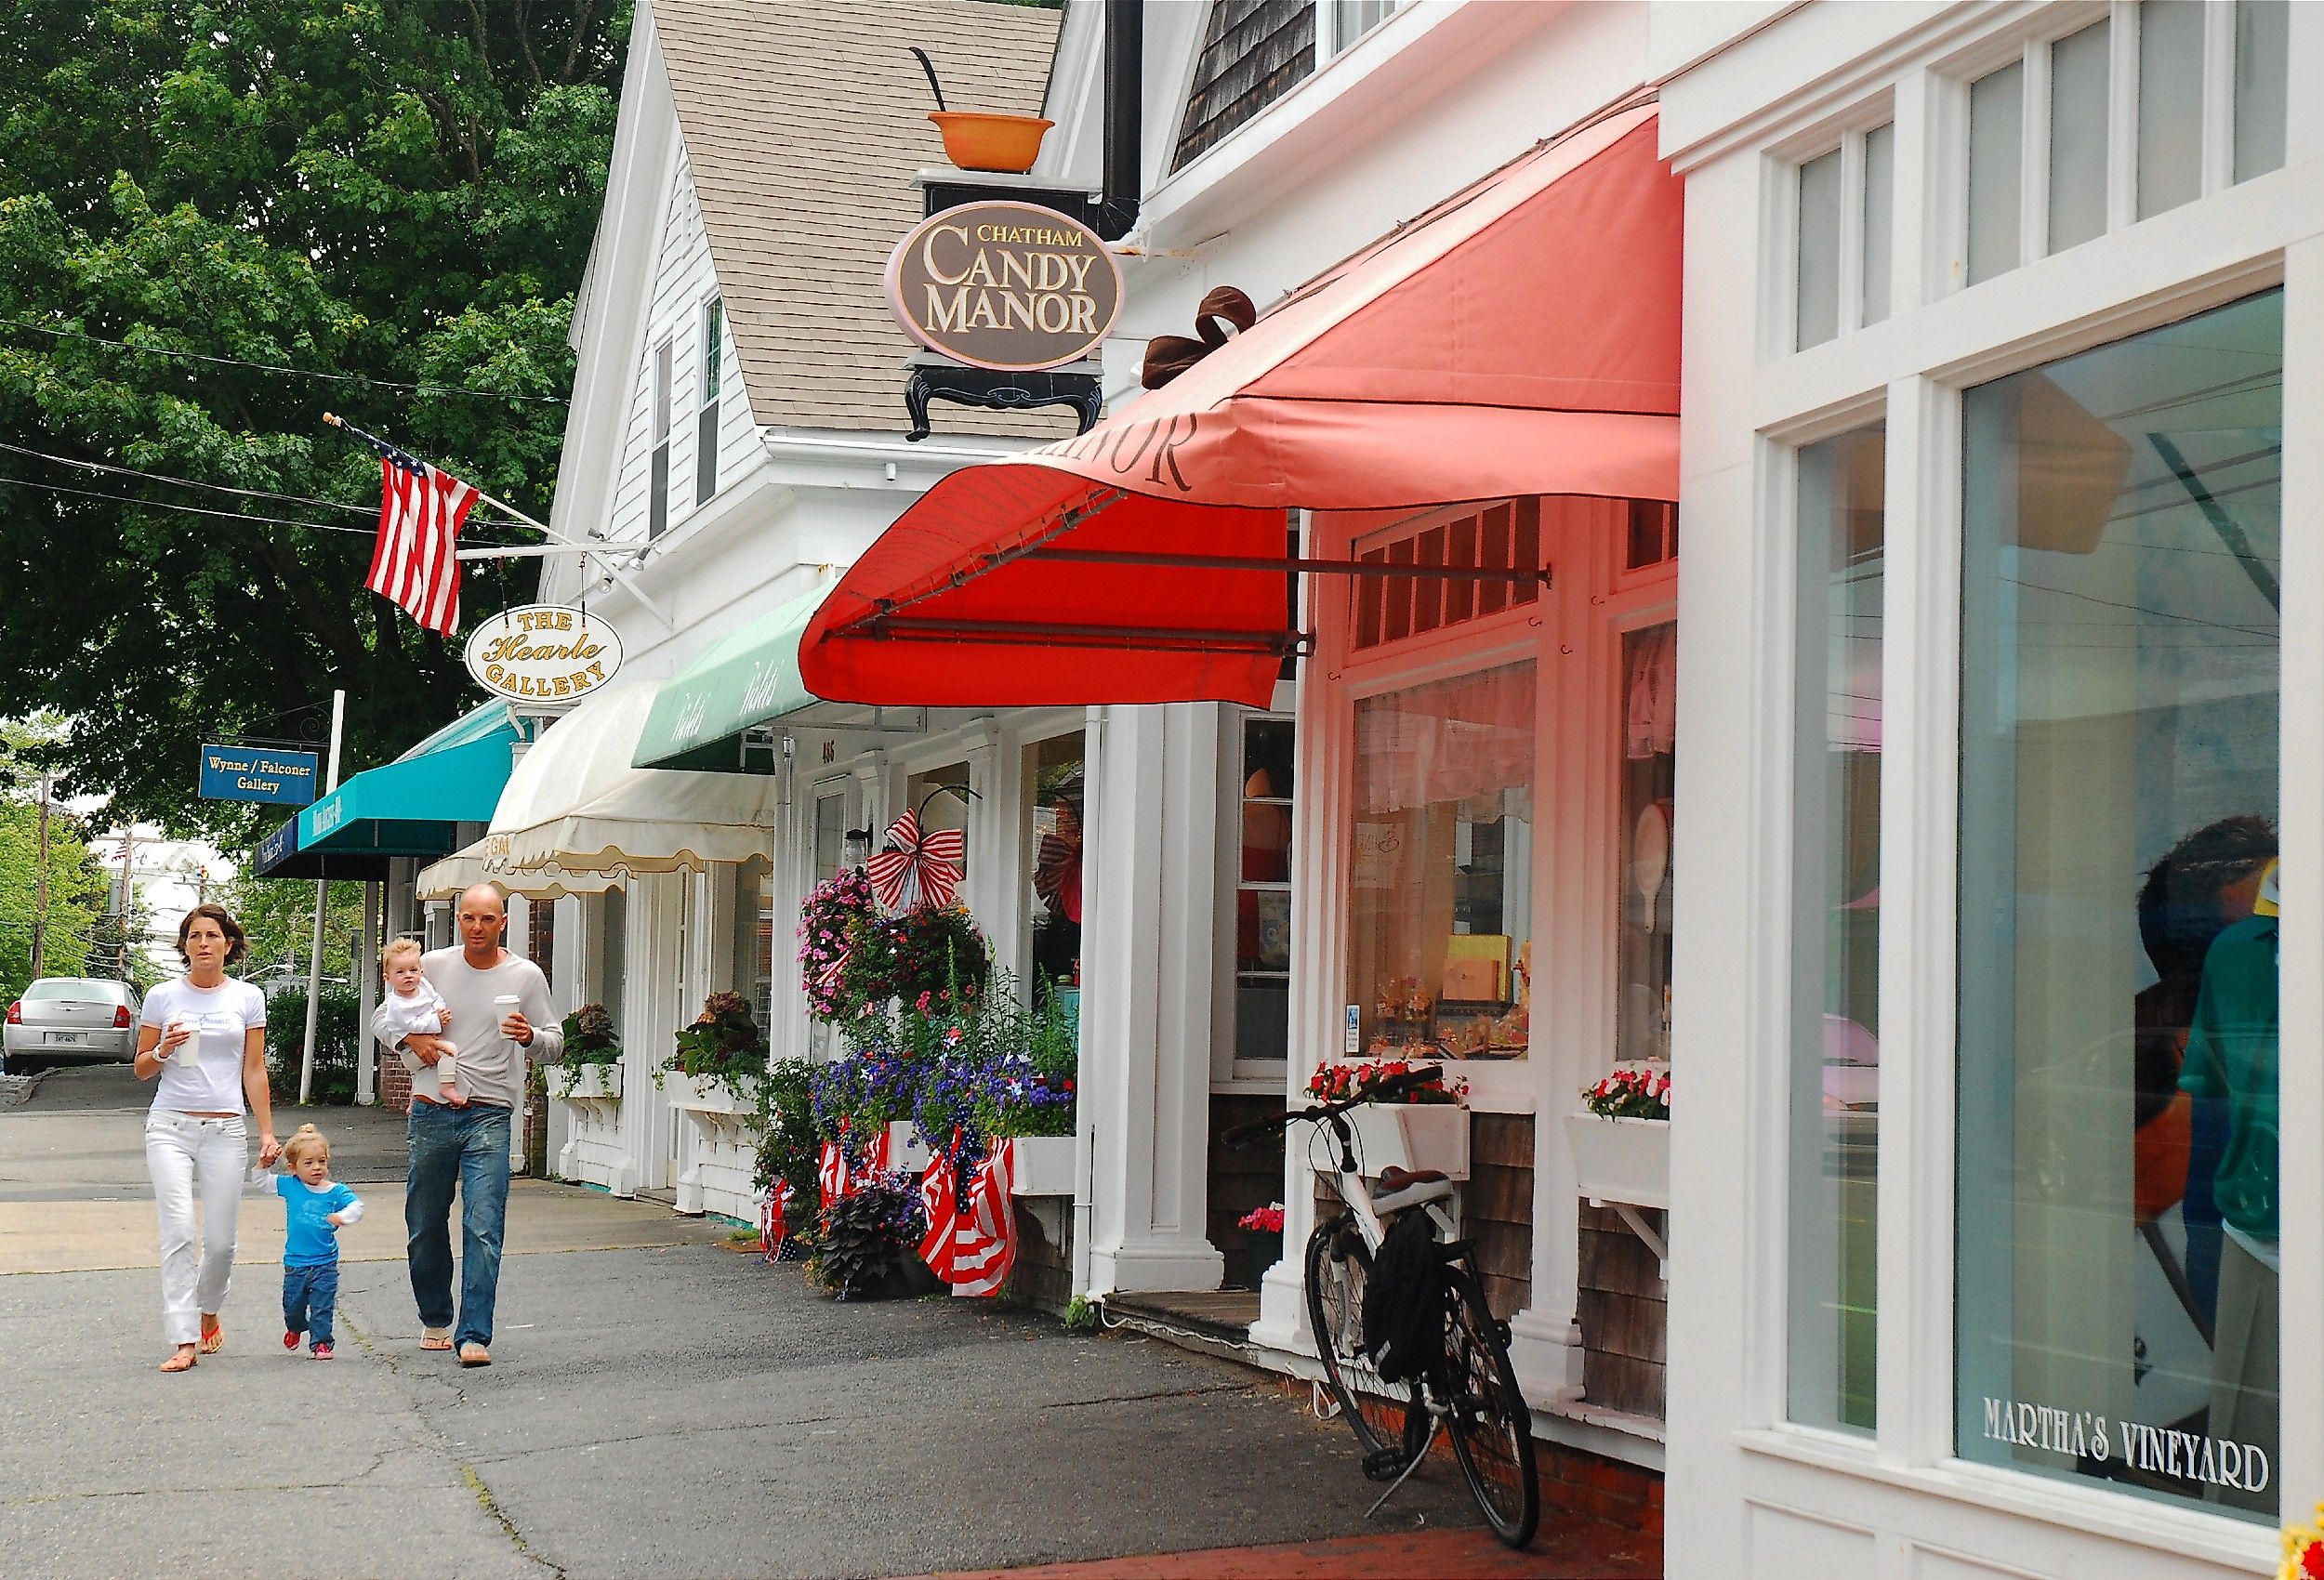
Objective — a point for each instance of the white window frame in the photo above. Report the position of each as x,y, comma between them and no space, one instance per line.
662,400
1913,374
2030,44
712,360
1780,225
1228,1073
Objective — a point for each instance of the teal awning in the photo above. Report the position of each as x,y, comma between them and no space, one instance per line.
428,802
747,679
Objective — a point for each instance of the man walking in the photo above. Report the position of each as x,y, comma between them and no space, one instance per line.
500,1016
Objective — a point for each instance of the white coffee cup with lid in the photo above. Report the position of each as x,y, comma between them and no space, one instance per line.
505,1004
187,1054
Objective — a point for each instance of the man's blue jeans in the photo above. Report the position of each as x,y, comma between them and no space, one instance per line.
468,1148
309,1295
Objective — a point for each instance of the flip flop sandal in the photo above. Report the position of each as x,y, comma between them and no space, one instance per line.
179,1363
213,1337
435,1338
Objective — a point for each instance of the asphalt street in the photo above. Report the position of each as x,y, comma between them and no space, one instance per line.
660,1406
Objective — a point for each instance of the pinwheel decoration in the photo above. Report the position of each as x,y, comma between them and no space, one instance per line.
918,865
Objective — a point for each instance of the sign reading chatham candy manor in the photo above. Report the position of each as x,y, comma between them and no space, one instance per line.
1009,286
544,653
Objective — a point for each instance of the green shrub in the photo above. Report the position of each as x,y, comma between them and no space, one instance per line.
339,1038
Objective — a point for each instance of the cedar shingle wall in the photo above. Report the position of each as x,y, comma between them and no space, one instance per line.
1497,1208
1624,1312
1253,51
803,124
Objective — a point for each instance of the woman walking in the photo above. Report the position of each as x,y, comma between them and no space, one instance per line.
205,1035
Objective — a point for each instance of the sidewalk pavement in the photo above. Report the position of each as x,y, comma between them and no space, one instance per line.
668,1408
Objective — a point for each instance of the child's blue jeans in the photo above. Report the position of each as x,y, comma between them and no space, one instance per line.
308,1296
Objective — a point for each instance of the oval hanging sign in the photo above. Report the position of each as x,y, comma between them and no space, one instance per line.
1009,286
547,654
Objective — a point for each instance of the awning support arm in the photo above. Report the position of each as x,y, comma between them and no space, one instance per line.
1153,640
1319,567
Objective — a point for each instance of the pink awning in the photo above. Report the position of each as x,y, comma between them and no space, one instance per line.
1521,339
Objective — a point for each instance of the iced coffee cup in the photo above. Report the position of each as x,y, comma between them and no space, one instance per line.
188,1053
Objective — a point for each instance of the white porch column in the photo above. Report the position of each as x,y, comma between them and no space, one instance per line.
366,964
1147,987
652,1007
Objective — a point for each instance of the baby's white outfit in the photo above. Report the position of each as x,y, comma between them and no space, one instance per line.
420,1012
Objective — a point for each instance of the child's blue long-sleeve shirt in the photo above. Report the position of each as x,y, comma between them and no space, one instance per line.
307,1241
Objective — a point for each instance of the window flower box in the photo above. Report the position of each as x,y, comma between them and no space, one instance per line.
1045,1164
702,1095
1409,1135
588,1083
1620,1161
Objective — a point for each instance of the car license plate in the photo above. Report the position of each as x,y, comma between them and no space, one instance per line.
65,1037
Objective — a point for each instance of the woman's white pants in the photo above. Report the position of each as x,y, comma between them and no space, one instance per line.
184,1153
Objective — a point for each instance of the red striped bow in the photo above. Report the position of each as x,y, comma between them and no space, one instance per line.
917,867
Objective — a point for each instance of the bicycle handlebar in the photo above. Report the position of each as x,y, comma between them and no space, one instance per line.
1241,1136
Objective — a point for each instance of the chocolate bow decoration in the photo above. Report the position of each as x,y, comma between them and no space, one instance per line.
1223,310
917,867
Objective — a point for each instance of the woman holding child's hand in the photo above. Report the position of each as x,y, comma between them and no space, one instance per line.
204,1037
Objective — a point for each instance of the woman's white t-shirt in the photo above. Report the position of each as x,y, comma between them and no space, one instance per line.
213,1084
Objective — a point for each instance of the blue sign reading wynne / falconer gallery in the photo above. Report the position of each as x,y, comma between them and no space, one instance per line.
258,773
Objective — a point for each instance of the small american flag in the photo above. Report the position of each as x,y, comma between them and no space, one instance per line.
420,513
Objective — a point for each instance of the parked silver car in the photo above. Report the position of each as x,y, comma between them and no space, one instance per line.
81,1019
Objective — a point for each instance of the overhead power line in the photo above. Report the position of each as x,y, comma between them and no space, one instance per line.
188,509
279,367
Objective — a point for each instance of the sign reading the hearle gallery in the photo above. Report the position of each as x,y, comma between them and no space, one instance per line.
1009,287
256,773
544,653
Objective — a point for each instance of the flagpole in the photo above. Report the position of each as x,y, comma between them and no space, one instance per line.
611,570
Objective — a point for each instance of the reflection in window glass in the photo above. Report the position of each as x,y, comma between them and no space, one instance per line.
830,835
614,954
948,810
2169,104
1055,773
1835,1039
1650,690
1879,203
754,937
1996,155
2118,999
2263,40
1263,893
2078,137
1819,250
1439,945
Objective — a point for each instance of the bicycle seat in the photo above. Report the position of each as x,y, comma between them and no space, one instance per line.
1394,1178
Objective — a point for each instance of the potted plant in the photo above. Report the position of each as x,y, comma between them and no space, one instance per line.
721,1048
1425,1126
589,1069
868,1241
825,920
787,1145
1621,1140
1263,1234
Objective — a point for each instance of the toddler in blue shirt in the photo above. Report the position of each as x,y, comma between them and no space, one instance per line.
315,1208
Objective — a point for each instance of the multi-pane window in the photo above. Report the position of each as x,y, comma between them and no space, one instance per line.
754,937
1056,781
2199,91
1505,537
706,420
1845,201
2117,1299
1263,892
1835,933
657,497
1344,21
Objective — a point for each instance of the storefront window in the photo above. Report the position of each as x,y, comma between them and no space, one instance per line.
1055,777
1263,893
613,951
1440,951
948,810
2118,1225
754,936
1836,841
1650,674
830,832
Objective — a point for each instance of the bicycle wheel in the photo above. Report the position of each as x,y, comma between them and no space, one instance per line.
1491,1425
1339,1268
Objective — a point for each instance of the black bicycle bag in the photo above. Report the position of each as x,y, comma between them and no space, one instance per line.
1403,1299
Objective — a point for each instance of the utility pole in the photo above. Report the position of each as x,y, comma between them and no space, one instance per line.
322,896
40,904
128,889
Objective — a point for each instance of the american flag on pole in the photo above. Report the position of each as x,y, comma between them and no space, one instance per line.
420,513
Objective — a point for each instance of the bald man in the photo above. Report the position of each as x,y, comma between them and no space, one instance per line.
501,1017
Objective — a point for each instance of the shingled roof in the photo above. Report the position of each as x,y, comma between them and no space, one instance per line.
803,124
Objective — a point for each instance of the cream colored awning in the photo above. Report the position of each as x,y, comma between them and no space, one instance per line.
576,801
487,862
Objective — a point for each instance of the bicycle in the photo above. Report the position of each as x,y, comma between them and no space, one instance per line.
1467,1387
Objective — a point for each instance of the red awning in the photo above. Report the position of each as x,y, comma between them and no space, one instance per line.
1521,339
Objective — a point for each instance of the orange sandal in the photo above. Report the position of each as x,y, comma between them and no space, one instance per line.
435,1338
213,1336
180,1359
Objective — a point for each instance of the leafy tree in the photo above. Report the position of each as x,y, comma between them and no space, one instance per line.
279,918
398,192
79,887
